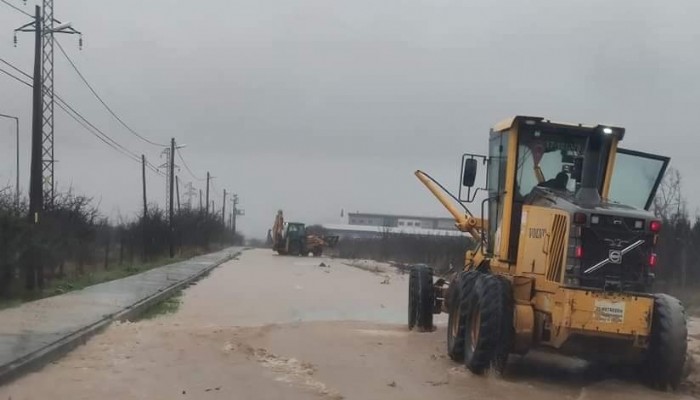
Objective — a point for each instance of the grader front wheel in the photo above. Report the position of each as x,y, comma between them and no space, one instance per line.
421,298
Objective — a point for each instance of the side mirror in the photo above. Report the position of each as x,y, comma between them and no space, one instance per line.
469,173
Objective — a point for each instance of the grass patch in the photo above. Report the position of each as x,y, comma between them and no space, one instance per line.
80,281
165,307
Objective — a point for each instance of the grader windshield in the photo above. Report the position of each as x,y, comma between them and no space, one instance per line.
547,158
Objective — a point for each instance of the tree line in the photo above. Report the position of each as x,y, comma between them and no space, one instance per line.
74,238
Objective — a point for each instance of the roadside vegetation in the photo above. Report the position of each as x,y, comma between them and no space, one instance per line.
74,246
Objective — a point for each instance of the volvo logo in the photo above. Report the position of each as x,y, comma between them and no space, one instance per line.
616,243
615,256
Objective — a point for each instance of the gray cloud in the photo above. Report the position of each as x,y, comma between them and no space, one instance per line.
313,106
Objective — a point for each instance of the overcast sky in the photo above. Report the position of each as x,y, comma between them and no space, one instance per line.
314,106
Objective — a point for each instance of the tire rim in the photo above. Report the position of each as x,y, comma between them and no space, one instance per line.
475,325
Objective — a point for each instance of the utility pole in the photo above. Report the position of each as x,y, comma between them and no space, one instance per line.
145,207
200,200
170,206
46,30
190,192
17,158
236,212
34,258
177,192
223,210
167,166
207,203
143,179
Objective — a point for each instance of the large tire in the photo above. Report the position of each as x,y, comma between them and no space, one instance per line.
507,340
665,356
421,298
463,283
484,312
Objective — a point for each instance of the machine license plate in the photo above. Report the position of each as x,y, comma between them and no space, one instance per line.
609,311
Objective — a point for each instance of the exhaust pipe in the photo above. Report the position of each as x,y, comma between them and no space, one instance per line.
588,193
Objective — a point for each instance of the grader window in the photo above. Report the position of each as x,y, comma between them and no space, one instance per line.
547,158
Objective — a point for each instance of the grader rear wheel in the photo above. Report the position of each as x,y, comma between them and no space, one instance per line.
463,283
665,357
486,333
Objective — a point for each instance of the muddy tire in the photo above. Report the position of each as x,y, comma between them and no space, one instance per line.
420,298
484,312
462,283
507,339
665,356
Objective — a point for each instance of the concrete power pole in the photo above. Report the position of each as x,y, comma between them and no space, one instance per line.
170,205
177,192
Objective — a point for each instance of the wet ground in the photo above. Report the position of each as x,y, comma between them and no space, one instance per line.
270,327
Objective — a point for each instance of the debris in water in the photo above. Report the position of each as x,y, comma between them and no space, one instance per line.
437,383
324,265
385,281
392,384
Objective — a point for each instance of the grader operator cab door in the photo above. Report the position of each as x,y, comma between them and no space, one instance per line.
636,177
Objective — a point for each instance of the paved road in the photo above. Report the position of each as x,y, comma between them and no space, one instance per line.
270,327
31,331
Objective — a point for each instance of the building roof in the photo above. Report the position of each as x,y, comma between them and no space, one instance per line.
394,230
397,216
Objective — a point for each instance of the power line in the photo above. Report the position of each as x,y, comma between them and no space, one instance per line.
15,68
68,109
82,77
187,166
17,8
15,77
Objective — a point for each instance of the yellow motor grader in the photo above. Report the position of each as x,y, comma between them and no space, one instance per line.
564,256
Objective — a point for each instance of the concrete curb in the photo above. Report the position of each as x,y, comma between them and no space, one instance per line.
37,359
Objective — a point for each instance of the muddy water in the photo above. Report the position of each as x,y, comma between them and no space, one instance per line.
268,327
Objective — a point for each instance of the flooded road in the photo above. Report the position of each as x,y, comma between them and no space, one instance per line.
270,327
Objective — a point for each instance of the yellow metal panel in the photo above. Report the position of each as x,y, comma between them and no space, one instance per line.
532,254
508,195
504,124
524,322
595,313
611,167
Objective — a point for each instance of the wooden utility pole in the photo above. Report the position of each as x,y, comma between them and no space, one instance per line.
144,241
177,192
207,203
223,210
143,179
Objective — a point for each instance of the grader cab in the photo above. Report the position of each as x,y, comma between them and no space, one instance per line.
564,255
